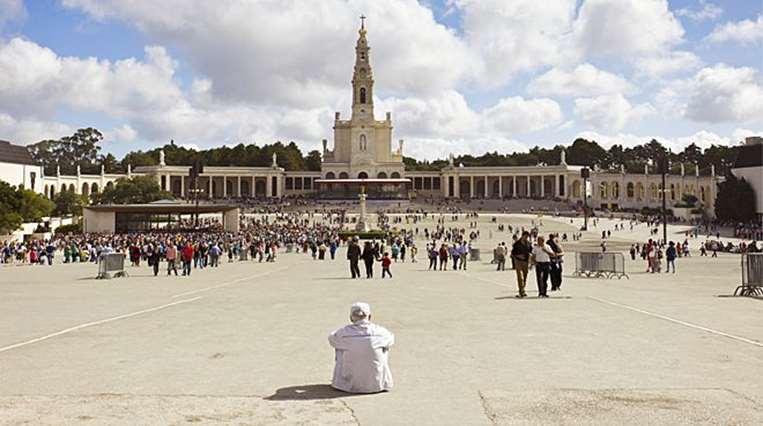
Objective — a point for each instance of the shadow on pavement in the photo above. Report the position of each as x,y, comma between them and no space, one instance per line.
307,392
531,298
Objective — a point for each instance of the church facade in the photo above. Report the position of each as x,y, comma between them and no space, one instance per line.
364,157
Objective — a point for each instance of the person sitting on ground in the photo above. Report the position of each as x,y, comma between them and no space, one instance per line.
361,354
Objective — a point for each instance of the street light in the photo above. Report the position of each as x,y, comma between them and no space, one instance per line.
664,166
196,170
585,173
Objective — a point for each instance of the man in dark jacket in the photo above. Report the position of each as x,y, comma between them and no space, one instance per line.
353,255
520,252
368,259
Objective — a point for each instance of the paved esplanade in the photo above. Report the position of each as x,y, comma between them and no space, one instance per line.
246,343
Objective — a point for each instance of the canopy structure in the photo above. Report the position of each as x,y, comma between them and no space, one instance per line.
382,189
123,218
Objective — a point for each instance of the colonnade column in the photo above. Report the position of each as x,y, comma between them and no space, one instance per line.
238,183
542,186
182,186
514,187
444,186
558,186
471,186
210,186
225,186
528,187
487,178
268,186
500,187
457,186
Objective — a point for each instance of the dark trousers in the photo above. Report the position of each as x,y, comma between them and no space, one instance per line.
541,275
433,263
386,271
186,267
156,267
354,269
369,263
556,275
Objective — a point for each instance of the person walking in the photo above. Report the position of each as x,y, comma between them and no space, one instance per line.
386,262
153,258
670,257
443,257
555,267
541,256
520,253
432,254
171,257
369,257
188,254
353,255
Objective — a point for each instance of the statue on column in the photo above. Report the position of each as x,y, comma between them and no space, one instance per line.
78,170
103,170
275,162
712,170
451,160
58,170
622,168
161,158
683,171
563,155
400,149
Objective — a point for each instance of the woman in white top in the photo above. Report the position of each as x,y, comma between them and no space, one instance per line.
541,256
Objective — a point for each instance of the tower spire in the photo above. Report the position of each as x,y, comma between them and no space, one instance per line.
362,77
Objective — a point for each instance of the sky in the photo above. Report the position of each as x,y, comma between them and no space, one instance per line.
458,76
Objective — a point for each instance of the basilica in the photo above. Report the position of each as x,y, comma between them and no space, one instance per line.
363,157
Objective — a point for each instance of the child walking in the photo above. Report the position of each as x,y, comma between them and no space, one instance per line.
386,262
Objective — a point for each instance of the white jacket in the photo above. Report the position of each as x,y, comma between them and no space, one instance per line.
362,355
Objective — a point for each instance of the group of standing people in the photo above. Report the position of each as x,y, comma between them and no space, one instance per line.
546,256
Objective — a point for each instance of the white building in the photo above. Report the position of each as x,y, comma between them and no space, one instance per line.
749,166
18,168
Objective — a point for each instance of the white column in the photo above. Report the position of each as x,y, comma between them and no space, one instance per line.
225,186
528,186
268,186
514,187
486,182
457,184
500,187
182,186
251,188
238,182
211,194
558,186
471,187
542,186
444,185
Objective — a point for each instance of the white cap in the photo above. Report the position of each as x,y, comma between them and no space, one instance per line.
360,310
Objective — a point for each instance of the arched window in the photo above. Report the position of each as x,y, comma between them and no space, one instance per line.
702,194
85,189
362,95
629,190
654,192
395,175
381,175
614,189
363,143
71,188
603,190
94,188
343,175
639,191
362,175
330,175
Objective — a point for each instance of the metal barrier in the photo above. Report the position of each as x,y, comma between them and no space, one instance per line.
752,275
474,254
595,264
111,265
289,248
243,254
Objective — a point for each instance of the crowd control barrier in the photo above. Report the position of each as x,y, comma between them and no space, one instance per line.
111,265
595,264
752,275
243,254
474,254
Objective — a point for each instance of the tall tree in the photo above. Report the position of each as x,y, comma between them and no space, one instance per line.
134,190
735,200
80,149
10,207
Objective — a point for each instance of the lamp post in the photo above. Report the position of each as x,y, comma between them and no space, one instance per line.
663,165
585,173
196,170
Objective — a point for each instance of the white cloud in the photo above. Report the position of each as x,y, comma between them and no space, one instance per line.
739,135
447,115
744,32
438,148
723,93
518,35
584,80
284,53
668,63
609,112
627,27
708,12
702,138
519,115
27,131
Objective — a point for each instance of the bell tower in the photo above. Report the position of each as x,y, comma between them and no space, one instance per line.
362,78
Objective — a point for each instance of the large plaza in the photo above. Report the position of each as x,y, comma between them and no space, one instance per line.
246,343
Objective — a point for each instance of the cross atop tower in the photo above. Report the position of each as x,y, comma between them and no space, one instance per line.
362,22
